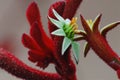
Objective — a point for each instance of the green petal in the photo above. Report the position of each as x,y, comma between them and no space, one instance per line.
67,28
58,16
65,45
56,23
58,32
76,50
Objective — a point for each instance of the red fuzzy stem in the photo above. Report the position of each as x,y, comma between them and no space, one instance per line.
71,8
104,51
14,66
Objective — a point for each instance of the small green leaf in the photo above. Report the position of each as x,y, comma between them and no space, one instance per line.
65,45
76,50
58,32
58,16
56,23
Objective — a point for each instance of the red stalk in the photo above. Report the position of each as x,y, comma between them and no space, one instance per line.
14,66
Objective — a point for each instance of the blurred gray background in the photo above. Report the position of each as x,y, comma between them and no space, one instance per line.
13,24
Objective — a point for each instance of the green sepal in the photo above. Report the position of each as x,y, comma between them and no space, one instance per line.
76,51
77,36
59,32
65,45
109,27
86,49
56,22
58,16
96,23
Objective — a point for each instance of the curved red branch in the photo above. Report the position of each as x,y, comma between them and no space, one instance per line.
16,67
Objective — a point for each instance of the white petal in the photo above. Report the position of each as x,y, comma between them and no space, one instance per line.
58,32
56,23
76,50
65,45
58,16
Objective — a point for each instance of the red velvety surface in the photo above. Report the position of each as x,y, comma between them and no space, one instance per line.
40,45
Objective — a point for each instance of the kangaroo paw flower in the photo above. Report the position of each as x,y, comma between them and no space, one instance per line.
67,28
97,41
44,50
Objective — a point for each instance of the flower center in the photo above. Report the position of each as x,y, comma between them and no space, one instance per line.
90,23
71,28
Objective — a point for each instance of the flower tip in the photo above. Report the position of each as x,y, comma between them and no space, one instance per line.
99,17
77,61
23,35
53,10
34,3
81,17
48,17
33,13
118,22
100,14
59,17
62,53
